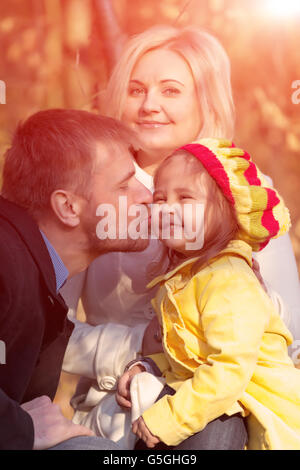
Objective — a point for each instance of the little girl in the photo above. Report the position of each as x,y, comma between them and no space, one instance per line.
225,346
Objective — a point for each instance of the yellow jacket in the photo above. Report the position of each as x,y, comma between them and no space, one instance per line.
225,352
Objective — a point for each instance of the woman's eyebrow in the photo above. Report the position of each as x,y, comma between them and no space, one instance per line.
172,80
136,81
161,81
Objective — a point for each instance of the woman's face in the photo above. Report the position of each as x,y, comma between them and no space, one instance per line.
162,104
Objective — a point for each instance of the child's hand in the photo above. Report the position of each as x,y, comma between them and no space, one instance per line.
141,430
123,388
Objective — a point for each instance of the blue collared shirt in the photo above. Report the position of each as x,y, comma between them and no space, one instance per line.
61,272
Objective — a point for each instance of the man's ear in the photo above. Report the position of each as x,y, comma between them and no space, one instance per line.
67,207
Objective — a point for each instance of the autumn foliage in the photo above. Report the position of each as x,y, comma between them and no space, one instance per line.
59,53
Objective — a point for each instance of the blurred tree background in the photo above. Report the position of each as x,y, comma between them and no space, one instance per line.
58,53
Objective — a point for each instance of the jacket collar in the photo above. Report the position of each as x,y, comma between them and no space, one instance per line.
235,248
28,230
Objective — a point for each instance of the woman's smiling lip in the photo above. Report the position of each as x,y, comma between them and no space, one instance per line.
152,124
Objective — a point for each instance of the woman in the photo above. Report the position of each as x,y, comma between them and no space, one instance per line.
172,86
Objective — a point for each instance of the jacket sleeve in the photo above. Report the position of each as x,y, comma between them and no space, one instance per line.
102,352
16,429
16,426
234,313
279,269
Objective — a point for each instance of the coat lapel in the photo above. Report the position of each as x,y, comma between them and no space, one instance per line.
28,230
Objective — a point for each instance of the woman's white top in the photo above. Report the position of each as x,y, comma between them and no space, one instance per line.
117,303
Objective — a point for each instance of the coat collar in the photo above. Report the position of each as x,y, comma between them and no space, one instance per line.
28,230
235,248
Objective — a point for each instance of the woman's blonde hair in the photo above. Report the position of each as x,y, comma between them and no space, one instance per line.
208,63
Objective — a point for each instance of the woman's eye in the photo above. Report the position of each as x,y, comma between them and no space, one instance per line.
136,91
184,196
171,91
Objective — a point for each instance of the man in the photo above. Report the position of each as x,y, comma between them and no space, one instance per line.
53,182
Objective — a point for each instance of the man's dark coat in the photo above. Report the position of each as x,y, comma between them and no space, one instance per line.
33,324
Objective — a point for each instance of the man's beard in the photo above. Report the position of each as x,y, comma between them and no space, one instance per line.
97,246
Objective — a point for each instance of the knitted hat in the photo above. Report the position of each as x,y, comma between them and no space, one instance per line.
261,212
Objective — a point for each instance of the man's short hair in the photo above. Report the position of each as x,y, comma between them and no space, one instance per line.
53,150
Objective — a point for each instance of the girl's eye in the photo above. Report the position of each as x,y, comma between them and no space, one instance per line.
184,196
124,187
158,199
136,91
171,91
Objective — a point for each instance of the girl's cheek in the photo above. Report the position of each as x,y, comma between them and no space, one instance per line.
189,217
194,220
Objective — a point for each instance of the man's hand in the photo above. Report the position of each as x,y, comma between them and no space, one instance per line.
140,428
50,426
123,388
152,343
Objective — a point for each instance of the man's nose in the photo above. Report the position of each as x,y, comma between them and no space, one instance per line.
151,103
144,196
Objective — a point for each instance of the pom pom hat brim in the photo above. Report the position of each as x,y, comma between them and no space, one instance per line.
261,212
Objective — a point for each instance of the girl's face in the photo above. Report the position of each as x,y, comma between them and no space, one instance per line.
180,196
162,104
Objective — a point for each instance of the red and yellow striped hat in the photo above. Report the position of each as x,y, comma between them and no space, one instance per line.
261,212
